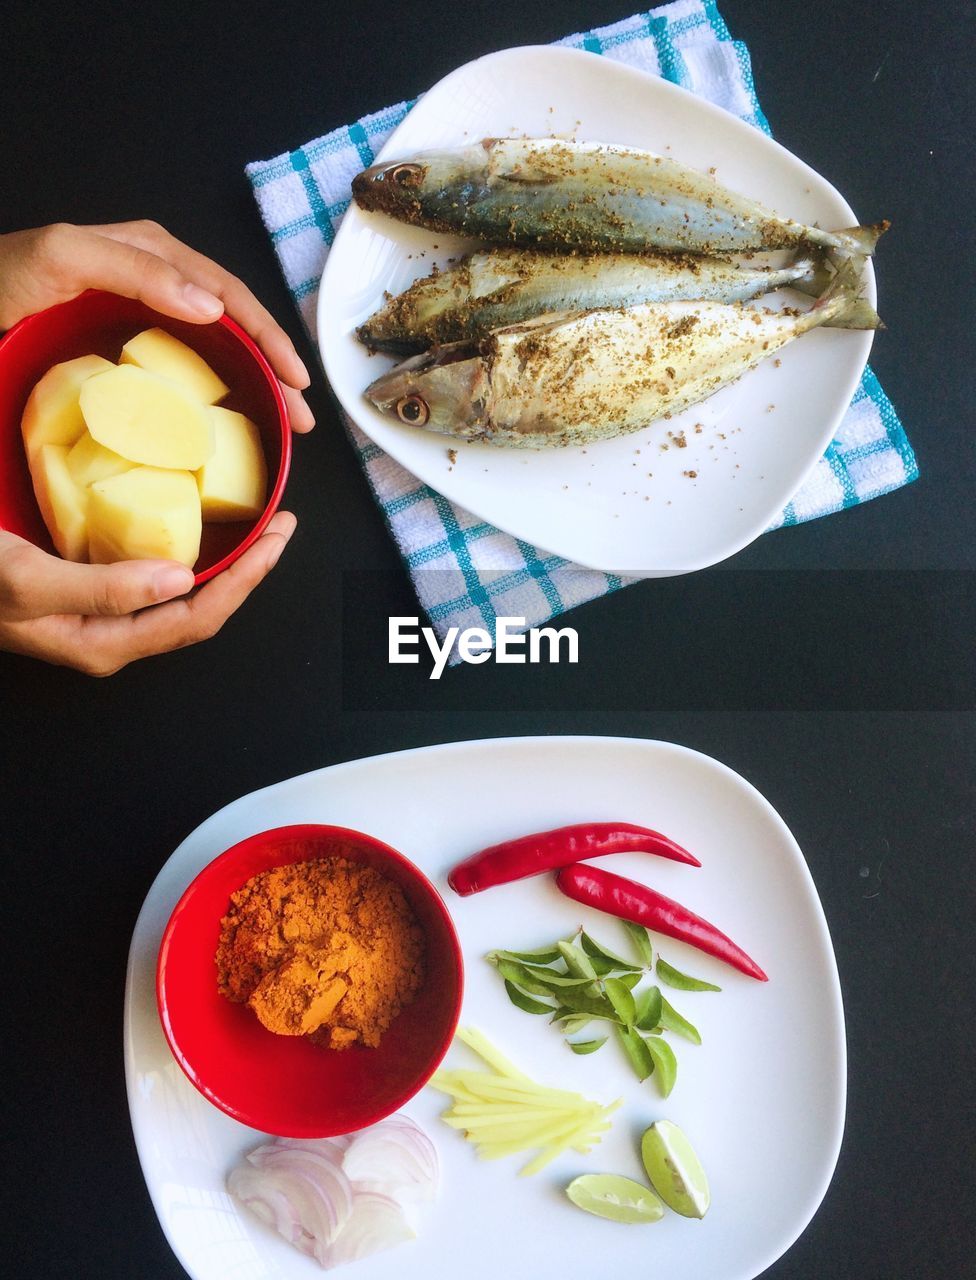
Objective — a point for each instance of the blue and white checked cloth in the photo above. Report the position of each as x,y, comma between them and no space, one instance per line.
465,571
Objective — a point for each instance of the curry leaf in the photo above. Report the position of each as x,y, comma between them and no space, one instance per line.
672,977
672,1020
553,979
577,961
595,1006
522,976
524,1002
641,940
575,1022
597,952
543,955
622,999
637,1052
665,1064
649,1006
586,1046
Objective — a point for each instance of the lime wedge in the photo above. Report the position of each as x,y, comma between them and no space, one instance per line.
674,1170
619,1199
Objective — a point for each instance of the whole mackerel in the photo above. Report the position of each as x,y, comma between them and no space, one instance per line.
551,193
505,286
572,380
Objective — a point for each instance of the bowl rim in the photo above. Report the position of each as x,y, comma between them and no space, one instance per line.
280,835
281,410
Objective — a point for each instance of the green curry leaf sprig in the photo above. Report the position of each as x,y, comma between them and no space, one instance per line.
578,981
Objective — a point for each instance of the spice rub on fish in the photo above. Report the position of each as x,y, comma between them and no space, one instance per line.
552,193
500,287
574,379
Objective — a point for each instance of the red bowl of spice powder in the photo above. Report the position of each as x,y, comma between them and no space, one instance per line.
309,981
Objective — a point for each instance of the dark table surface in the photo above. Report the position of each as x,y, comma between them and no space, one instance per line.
831,663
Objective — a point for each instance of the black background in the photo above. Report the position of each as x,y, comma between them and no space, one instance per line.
830,663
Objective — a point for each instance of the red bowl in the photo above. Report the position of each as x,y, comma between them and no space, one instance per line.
98,323
285,1085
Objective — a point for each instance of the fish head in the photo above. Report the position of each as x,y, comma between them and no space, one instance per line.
403,188
444,390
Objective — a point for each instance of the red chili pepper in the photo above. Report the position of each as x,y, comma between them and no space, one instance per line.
531,855
629,900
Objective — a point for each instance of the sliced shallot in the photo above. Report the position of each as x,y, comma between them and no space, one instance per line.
393,1158
378,1222
339,1199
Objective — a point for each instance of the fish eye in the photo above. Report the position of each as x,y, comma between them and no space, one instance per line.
413,410
406,175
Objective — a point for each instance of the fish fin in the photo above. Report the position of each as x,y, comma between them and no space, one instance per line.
842,300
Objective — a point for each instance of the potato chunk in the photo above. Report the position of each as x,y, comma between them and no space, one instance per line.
147,419
52,414
234,483
146,512
61,502
89,461
157,351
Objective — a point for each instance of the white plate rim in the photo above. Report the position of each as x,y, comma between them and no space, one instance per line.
534,743
383,433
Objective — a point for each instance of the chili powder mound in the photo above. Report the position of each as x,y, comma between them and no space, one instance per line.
329,949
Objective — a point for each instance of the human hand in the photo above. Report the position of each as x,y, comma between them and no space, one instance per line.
41,267
98,618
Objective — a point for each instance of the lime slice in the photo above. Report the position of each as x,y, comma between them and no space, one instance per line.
674,1170
619,1199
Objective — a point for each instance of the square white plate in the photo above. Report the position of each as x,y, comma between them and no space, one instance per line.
625,505
762,1098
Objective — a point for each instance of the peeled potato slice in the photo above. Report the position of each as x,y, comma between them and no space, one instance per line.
146,512
52,414
89,461
157,351
234,483
147,419
61,502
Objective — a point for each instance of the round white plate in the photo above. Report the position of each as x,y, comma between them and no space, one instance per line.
624,505
762,1098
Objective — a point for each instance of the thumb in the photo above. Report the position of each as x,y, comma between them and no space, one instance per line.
99,262
34,584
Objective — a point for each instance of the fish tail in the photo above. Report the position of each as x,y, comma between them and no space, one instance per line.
841,306
817,276
861,241
817,282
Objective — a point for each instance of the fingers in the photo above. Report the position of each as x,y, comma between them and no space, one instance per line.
200,616
142,260
100,646
92,261
34,584
238,299
299,414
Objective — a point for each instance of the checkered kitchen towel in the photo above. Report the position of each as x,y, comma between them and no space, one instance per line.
484,573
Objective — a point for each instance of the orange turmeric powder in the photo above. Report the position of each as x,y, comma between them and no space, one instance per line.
329,949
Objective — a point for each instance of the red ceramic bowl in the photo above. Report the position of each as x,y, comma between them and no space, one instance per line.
285,1085
98,324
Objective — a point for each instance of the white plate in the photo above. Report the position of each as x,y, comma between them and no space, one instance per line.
621,505
762,1098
